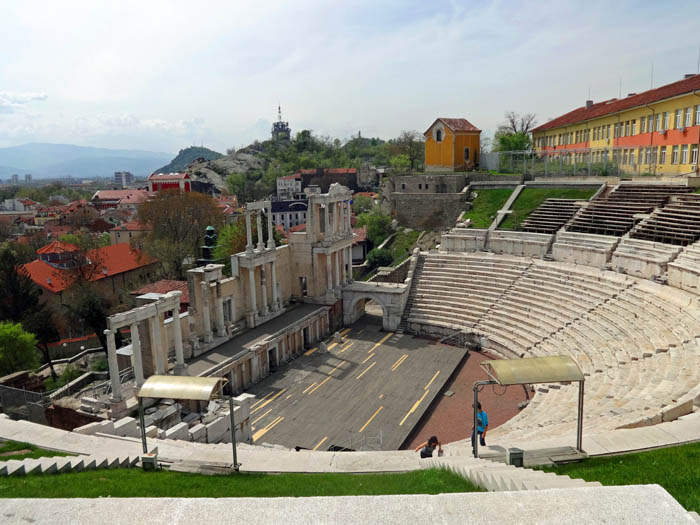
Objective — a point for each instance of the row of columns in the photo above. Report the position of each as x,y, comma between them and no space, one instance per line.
218,312
157,351
341,213
343,270
250,248
265,308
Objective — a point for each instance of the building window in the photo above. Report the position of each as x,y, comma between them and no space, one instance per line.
674,155
466,155
688,117
627,128
631,156
403,186
657,124
634,127
694,154
684,154
662,155
697,115
642,125
650,123
438,136
665,120
678,118
420,186
624,156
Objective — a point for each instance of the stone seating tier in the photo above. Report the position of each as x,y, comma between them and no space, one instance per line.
550,216
641,258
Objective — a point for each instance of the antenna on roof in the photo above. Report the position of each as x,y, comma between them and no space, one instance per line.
279,112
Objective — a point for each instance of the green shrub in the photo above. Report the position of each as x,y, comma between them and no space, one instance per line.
379,257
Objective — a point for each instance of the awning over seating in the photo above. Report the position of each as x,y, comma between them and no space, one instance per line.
529,370
182,387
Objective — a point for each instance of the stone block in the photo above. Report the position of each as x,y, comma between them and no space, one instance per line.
107,426
126,426
152,431
88,429
678,410
216,429
179,431
198,433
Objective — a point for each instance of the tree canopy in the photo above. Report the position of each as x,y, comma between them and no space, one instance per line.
17,349
177,222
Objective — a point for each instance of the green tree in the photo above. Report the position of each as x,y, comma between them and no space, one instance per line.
17,349
400,163
513,142
361,204
177,222
379,257
378,225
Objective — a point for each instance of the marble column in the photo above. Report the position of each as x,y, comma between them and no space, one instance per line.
263,291
329,272
337,269
327,221
270,236
113,367
334,206
344,251
275,294
179,352
206,314
253,302
249,233
157,346
136,358
349,218
260,246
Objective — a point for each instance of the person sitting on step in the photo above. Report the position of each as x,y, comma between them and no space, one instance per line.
427,447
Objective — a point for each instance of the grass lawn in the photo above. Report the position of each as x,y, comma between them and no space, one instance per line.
677,469
531,198
485,206
402,244
129,483
16,450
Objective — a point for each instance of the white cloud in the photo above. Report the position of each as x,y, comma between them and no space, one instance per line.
11,102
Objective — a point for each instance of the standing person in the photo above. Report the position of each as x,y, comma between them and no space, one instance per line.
427,447
482,425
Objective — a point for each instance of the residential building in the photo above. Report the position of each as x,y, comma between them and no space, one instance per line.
27,178
122,199
127,231
289,187
15,179
656,131
452,144
123,178
360,245
289,213
169,181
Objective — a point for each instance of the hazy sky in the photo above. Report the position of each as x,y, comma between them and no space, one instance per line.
165,75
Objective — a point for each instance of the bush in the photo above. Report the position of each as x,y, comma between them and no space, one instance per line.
69,374
379,257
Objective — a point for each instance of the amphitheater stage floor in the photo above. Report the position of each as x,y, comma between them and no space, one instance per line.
373,384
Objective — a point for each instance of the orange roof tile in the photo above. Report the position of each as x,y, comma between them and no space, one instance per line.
57,247
581,114
133,226
455,124
164,286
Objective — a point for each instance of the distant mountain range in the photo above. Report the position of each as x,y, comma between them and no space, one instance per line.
60,160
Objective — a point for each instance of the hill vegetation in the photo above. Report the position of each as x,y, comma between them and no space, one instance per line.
186,157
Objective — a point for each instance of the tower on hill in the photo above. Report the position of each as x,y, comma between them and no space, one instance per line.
280,129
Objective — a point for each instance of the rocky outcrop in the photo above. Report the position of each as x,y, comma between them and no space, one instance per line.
214,172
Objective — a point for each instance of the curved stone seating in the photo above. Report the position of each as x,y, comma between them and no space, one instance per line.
464,240
518,243
645,259
676,223
583,248
684,271
635,340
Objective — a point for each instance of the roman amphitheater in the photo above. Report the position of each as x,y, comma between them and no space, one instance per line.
611,282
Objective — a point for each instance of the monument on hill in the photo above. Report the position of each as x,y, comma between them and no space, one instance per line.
280,129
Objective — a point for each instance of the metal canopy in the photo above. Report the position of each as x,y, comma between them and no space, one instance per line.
181,387
551,369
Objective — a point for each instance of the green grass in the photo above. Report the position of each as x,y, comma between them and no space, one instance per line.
677,469
485,206
131,483
402,244
530,198
35,452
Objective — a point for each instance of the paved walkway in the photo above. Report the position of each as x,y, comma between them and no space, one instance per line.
638,504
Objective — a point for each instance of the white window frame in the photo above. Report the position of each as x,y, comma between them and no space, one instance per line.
665,120
674,155
688,121
678,118
633,127
684,154
643,125
697,115
662,154
694,154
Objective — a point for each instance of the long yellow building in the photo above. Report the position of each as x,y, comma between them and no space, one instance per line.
657,131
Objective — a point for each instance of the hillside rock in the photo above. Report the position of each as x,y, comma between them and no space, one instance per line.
214,172
187,156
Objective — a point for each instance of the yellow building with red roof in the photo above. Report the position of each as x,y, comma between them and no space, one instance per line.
451,144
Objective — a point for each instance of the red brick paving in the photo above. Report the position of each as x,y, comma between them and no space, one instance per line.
450,418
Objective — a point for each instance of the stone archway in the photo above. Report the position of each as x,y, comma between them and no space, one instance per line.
390,300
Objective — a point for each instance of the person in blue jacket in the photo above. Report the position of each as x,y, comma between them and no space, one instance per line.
482,425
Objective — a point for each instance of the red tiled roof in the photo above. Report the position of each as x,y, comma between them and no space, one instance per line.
455,124
359,235
353,220
57,247
168,176
295,175
298,228
57,229
114,259
687,85
131,227
164,286
370,194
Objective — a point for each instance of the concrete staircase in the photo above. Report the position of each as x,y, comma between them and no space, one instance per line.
417,272
63,464
496,477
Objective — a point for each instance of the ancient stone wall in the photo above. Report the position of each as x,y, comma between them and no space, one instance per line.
428,211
